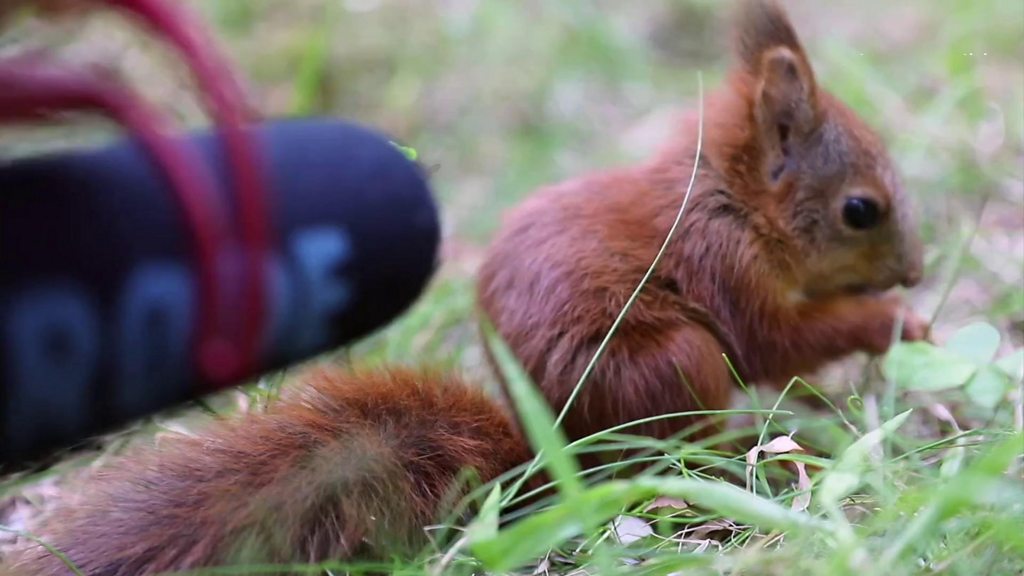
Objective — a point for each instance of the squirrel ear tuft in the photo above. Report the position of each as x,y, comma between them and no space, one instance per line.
761,26
769,50
786,104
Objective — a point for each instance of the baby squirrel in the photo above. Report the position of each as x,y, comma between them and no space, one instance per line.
796,225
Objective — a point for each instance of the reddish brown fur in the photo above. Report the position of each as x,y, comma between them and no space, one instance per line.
762,268
349,465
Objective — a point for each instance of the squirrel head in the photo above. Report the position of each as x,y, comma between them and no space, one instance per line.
817,169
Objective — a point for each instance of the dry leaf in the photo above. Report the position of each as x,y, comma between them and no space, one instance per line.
544,567
629,529
666,502
803,484
782,445
243,402
778,445
703,531
942,413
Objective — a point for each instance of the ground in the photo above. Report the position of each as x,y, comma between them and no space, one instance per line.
499,97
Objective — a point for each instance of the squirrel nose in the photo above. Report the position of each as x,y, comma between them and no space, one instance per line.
912,277
913,267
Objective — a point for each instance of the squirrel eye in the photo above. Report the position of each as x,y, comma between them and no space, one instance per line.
861,213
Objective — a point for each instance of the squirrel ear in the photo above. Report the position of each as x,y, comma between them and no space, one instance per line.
785,96
762,25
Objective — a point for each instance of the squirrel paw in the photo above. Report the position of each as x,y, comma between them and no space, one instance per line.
914,327
890,310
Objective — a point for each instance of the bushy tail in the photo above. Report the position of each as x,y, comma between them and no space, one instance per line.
350,465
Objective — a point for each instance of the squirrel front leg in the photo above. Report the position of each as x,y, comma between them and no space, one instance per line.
817,331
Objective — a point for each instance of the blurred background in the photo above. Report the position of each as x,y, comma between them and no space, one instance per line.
499,97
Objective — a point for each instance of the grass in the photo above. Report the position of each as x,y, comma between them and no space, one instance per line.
917,467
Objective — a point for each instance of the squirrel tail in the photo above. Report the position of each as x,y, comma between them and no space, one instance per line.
349,465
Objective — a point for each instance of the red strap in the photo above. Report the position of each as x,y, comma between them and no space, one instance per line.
230,338
36,88
226,103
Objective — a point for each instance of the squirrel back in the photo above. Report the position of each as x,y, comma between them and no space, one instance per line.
350,465
796,225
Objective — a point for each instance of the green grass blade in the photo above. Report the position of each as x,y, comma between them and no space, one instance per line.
583,513
536,417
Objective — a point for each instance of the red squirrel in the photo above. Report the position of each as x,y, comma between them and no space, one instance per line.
796,225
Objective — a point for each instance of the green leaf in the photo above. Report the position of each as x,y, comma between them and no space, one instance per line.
922,366
1013,365
952,462
977,342
988,387
848,472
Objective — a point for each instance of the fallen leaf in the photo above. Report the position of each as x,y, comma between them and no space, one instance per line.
629,529
704,531
942,413
778,445
803,484
544,567
781,445
666,502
